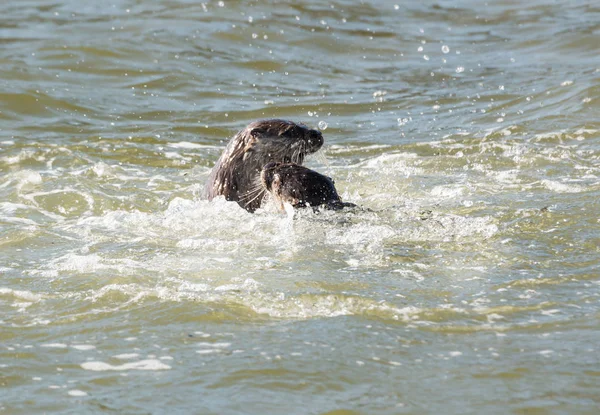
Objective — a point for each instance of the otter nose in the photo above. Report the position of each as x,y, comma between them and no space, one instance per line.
315,139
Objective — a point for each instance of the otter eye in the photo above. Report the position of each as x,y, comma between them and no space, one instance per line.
290,132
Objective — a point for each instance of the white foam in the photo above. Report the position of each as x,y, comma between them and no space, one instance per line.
448,192
148,364
174,155
83,347
126,356
315,306
11,208
190,146
54,345
77,393
91,263
208,351
393,164
562,187
102,169
214,345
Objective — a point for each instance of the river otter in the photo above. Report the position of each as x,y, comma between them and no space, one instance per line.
236,175
300,187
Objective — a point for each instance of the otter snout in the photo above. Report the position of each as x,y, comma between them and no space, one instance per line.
314,140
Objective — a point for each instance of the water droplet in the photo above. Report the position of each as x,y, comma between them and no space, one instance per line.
445,49
460,69
426,57
322,125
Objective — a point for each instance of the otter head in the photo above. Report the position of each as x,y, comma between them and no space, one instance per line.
300,186
280,141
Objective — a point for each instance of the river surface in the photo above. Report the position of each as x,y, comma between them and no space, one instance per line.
467,131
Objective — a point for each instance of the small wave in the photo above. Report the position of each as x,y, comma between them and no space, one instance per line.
148,364
77,393
85,264
22,179
54,345
186,145
21,295
562,187
231,295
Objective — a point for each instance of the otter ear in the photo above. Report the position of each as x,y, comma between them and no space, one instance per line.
270,165
257,133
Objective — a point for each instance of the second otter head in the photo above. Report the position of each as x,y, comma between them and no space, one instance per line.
300,186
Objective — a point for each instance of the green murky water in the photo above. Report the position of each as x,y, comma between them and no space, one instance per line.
468,131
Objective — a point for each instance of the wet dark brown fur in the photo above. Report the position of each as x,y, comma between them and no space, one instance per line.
300,187
236,175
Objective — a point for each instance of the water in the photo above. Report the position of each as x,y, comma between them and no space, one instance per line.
469,282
